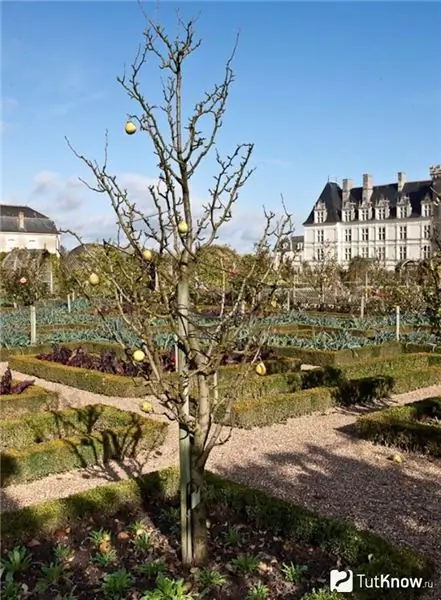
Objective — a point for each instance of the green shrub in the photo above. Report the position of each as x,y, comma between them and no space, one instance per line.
276,408
83,379
400,426
20,465
32,429
34,399
284,519
323,358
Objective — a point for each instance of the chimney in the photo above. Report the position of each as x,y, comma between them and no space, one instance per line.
21,220
347,187
367,187
401,180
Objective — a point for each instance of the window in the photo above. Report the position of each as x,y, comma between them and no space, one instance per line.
32,244
427,210
381,253
348,235
348,254
320,216
365,234
403,212
403,252
382,234
425,252
320,236
365,252
363,214
320,254
381,213
403,232
427,232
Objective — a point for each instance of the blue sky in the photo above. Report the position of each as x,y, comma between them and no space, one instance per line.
322,89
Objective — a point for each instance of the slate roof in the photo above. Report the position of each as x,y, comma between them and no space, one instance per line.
34,221
290,244
331,197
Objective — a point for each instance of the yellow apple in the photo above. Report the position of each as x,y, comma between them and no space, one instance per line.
94,279
147,254
261,369
130,128
182,227
397,458
146,407
273,303
138,355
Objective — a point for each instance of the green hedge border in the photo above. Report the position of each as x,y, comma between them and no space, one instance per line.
341,538
397,426
34,399
33,462
82,379
324,358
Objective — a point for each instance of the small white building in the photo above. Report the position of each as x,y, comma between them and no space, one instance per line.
392,223
24,227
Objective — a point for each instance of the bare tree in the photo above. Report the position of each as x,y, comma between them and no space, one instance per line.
174,236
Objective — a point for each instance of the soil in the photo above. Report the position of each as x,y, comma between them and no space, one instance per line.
229,538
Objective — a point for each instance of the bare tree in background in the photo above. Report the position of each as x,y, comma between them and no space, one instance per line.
174,236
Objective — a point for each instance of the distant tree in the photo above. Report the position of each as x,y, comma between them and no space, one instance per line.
22,276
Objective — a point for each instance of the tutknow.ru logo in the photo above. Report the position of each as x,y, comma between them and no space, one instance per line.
343,581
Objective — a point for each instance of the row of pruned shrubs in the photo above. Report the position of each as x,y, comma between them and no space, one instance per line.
49,443
413,427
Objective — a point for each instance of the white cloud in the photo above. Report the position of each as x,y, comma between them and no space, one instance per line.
44,181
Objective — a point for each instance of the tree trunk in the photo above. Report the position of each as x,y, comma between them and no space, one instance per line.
199,512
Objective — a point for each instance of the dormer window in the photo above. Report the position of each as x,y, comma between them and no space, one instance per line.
348,212
426,208
382,209
363,214
320,213
404,208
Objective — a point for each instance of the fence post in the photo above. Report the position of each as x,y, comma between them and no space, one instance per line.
69,306
33,326
362,307
398,323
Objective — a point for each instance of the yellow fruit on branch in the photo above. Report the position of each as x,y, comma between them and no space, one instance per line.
147,254
261,369
138,356
130,128
182,227
94,279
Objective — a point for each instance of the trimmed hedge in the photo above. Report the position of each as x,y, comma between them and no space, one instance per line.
341,538
92,347
34,399
21,465
276,408
324,358
82,379
400,426
44,427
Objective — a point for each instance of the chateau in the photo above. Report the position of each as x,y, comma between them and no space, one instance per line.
24,227
392,223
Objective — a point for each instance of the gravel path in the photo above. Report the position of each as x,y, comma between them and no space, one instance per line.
313,461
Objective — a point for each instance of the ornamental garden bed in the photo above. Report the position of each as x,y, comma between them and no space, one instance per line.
275,398
122,541
414,427
34,399
341,357
48,443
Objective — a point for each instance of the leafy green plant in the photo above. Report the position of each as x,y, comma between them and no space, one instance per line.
232,536
323,594
116,584
143,542
245,564
169,589
152,569
209,579
63,553
17,560
258,592
52,575
293,573
10,589
104,559
99,537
